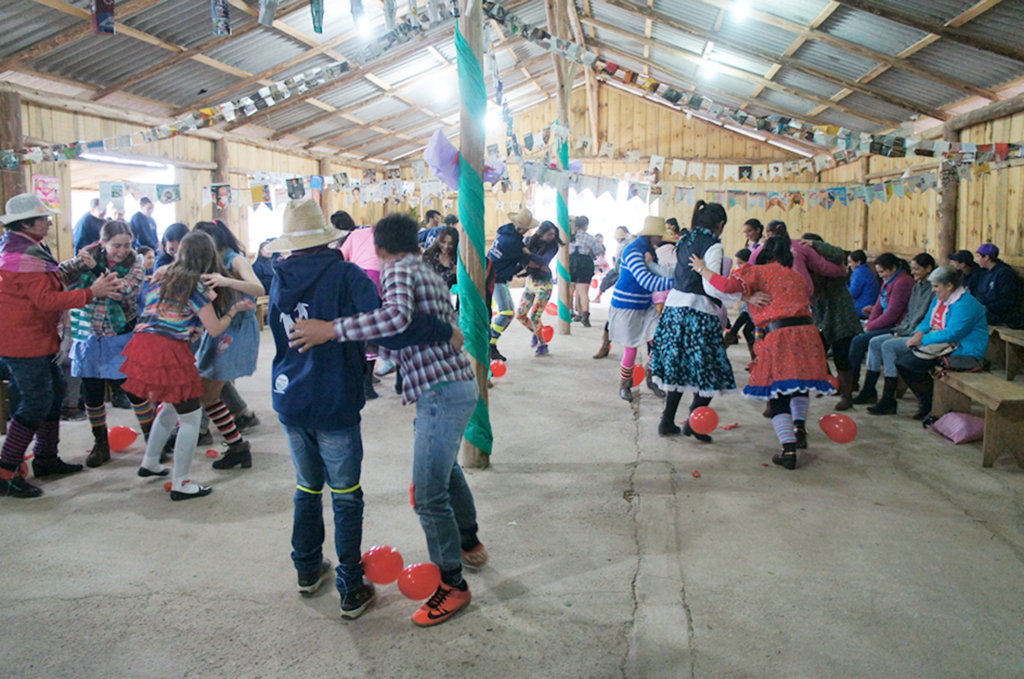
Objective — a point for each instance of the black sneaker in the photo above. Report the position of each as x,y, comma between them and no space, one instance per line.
243,421
496,355
118,399
72,415
18,487
206,437
309,583
53,467
355,603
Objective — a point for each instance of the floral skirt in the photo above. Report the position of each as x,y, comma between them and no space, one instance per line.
689,355
789,360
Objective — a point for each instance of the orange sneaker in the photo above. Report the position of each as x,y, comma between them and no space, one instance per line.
476,557
444,603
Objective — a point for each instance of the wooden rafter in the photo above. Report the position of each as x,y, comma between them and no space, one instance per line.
972,12
738,73
786,59
891,13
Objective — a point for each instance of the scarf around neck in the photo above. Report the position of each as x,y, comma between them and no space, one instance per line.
22,254
114,311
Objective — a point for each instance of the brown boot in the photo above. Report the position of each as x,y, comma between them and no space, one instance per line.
845,378
606,346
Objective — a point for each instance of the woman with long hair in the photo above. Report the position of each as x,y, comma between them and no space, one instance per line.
689,355
443,255
231,355
102,329
888,310
169,243
159,364
583,253
542,247
790,359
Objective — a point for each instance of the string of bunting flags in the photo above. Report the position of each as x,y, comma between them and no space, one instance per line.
847,144
408,28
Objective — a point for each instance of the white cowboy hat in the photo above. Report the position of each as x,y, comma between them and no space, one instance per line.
654,226
304,227
26,206
523,220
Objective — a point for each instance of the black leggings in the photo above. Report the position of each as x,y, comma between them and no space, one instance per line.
780,404
746,324
673,398
840,352
96,392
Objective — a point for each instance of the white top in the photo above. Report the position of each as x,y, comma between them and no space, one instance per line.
713,262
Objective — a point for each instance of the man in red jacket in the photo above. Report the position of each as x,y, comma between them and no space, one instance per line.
32,298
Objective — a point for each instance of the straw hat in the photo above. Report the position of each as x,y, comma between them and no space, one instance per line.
26,206
304,227
654,226
523,220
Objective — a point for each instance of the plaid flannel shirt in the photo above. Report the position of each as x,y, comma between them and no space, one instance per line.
585,244
92,319
410,287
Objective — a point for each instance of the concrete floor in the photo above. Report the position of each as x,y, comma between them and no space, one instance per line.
895,556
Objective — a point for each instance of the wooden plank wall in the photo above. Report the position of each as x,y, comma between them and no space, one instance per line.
991,208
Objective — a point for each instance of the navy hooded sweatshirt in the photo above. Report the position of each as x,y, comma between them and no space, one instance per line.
506,254
323,388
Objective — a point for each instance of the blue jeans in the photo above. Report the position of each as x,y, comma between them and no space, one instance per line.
330,460
500,321
441,497
859,347
36,390
875,353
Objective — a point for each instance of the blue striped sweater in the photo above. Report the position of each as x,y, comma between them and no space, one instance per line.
636,283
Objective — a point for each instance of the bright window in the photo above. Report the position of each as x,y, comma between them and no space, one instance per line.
605,213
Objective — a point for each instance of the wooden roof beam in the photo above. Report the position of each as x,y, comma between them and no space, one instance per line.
972,13
891,13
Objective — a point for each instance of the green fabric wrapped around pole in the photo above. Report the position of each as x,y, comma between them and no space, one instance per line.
474,316
564,312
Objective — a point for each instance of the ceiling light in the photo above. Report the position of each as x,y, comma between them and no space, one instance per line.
710,69
365,27
740,10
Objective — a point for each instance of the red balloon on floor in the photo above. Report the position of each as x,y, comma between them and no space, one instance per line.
639,375
120,438
593,282
419,580
167,487
547,332
839,428
703,420
552,309
498,368
382,564
212,453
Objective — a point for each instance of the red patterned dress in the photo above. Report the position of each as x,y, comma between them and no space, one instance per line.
791,359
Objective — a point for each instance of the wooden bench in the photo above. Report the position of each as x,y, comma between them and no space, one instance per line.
1014,350
1004,410
262,308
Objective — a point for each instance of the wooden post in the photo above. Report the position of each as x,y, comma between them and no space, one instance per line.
557,14
471,143
221,176
862,178
589,78
326,201
948,197
13,181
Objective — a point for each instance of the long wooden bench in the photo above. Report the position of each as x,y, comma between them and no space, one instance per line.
1014,350
1004,410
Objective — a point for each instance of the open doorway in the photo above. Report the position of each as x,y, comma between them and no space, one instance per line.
605,213
86,176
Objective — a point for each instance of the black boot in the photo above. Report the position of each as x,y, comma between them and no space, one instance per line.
867,393
236,454
626,390
667,426
887,404
800,430
100,448
787,458
846,379
921,385
368,389
496,355
585,319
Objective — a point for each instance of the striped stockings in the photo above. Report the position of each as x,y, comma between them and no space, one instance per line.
15,444
224,421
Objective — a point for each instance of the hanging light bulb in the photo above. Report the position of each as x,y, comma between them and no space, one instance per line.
740,9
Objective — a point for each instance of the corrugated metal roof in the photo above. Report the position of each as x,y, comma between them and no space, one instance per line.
685,69
822,88
258,51
786,102
881,35
184,83
320,60
337,20
827,58
802,12
412,67
763,37
1004,23
834,117
693,12
381,109
968,64
182,22
101,59
618,17
678,39
284,118
728,84
350,94
863,103
328,128
938,11
383,145
916,89
26,23
744,63
357,138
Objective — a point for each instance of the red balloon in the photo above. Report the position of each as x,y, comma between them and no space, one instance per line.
593,282
167,487
552,309
382,564
839,428
547,332
212,453
703,420
120,438
498,368
419,581
639,375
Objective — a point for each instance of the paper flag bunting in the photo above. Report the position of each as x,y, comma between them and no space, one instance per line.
679,167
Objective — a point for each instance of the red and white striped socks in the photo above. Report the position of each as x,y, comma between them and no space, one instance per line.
224,421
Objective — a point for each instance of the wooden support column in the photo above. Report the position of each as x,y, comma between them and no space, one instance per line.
471,148
557,14
13,181
326,197
221,175
948,198
862,178
589,80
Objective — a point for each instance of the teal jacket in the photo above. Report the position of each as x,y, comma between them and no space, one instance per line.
965,324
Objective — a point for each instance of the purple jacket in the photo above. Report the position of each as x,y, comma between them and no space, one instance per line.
897,289
805,261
